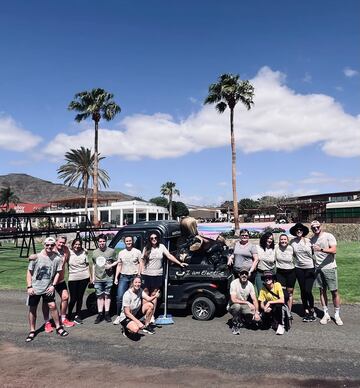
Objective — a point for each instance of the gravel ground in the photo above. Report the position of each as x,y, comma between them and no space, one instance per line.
188,353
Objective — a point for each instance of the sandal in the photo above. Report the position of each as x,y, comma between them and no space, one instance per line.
61,332
30,336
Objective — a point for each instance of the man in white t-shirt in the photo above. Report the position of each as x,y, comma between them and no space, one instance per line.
324,248
244,306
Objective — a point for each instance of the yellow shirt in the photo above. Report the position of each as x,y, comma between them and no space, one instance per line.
266,296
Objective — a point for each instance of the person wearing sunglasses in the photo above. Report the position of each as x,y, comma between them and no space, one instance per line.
42,277
151,265
304,268
245,255
324,248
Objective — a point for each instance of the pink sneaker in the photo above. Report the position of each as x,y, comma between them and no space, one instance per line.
67,323
48,327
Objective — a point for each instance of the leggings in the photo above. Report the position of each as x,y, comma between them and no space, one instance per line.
305,278
77,289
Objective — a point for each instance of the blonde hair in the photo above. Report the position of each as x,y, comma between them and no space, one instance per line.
188,226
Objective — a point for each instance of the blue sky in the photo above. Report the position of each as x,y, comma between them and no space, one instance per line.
158,58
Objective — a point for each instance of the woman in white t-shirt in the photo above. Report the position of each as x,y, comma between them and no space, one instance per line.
266,255
136,305
304,268
152,264
285,268
79,278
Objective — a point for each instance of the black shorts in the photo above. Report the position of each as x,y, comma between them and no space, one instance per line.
60,287
33,300
152,282
286,277
127,320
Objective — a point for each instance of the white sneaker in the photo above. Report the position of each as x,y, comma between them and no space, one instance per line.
338,320
325,319
280,330
117,320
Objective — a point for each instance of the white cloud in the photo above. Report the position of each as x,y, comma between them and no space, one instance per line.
350,72
193,100
281,120
15,138
223,184
339,88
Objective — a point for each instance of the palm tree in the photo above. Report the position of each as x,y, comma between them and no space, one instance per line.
79,168
97,104
169,189
227,92
7,197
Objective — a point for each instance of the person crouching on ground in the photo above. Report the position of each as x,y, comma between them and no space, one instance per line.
42,277
242,310
136,305
103,262
271,298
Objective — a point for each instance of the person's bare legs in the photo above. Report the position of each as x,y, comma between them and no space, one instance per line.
45,310
148,311
107,302
291,298
336,298
100,303
323,297
64,303
32,317
54,314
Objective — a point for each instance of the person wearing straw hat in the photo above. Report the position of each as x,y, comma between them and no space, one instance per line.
304,268
324,246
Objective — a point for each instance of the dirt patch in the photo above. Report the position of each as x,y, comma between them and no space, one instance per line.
29,368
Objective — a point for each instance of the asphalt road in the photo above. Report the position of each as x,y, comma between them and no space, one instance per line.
325,354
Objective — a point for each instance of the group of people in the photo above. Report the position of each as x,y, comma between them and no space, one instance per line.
134,270
273,270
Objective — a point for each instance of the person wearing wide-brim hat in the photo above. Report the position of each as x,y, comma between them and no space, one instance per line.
304,268
299,226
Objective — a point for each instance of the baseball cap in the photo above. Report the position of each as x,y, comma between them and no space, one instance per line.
49,240
315,223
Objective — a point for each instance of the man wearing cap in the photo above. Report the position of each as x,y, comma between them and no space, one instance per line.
324,247
42,277
241,308
272,300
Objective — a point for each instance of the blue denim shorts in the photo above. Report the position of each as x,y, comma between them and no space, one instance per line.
103,287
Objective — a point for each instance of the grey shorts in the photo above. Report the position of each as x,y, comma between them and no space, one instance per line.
237,310
327,279
102,288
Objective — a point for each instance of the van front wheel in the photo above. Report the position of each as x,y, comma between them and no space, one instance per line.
203,309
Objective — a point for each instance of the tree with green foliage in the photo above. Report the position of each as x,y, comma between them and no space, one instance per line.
159,201
97,104
79,170
226,93
248,203
180,209
169,189
7,196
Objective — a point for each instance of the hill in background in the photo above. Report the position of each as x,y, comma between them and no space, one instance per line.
34,190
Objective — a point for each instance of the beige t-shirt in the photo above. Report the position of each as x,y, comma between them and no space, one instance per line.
78,265
266,259
325,241
129,259
155,265
284,257
302,253
241,291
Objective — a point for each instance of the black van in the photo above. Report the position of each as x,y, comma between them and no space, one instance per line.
203,286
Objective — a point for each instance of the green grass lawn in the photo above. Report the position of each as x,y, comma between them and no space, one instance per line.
13,270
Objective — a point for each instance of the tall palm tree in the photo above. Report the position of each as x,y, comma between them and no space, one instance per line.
79,168
227,92
7,197
169,189
97,104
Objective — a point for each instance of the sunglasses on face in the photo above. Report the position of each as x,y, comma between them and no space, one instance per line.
49,245
153,238
268,279
244,235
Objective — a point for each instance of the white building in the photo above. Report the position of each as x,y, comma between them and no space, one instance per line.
117,213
